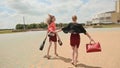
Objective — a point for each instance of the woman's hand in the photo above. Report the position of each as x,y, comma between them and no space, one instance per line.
58,30
91,39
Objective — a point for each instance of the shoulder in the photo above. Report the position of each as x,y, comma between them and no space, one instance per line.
80,24
52,23
70,23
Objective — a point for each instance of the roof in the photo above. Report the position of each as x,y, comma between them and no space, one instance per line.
110,12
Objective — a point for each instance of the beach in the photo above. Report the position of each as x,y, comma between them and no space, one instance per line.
21,50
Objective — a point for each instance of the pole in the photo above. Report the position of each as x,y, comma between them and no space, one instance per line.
24,22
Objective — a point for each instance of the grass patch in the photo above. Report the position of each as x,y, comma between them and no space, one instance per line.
106,26
111,26
4,31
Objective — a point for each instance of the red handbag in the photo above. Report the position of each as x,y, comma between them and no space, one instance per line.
93,47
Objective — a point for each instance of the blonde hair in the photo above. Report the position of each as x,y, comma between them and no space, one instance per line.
49,19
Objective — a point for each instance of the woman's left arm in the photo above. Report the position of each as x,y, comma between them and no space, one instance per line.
89,36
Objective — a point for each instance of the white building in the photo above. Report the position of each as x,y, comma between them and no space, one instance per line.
103,17
108,17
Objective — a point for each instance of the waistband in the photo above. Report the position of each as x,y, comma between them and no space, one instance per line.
74,33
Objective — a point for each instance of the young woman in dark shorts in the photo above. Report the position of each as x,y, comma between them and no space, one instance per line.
52,34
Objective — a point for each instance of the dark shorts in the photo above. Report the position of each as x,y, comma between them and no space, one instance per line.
53,38
75,40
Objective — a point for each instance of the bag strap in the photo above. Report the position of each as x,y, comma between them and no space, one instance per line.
92,42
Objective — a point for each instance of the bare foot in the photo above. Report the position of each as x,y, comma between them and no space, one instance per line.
47,56
74,63
56,54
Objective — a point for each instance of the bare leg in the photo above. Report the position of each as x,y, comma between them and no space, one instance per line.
55,43
73,53
49,50
76,55
58,36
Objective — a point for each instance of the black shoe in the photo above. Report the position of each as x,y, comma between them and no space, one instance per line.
60,42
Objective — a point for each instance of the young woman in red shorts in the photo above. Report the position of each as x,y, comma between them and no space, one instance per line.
75,29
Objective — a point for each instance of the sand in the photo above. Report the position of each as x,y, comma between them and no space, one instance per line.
21,50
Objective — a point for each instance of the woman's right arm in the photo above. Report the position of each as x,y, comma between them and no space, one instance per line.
59,30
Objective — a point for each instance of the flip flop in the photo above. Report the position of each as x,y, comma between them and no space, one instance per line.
60,42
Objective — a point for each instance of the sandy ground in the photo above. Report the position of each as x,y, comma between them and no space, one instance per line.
21,50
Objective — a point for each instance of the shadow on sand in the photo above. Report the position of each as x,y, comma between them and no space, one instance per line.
66,60
86,66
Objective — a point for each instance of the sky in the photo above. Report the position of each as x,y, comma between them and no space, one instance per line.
36,11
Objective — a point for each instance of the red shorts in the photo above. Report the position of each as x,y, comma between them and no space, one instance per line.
75,40
53,38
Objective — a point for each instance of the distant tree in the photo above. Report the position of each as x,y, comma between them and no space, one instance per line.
33,26
42,25
19,26
64,24
27,26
